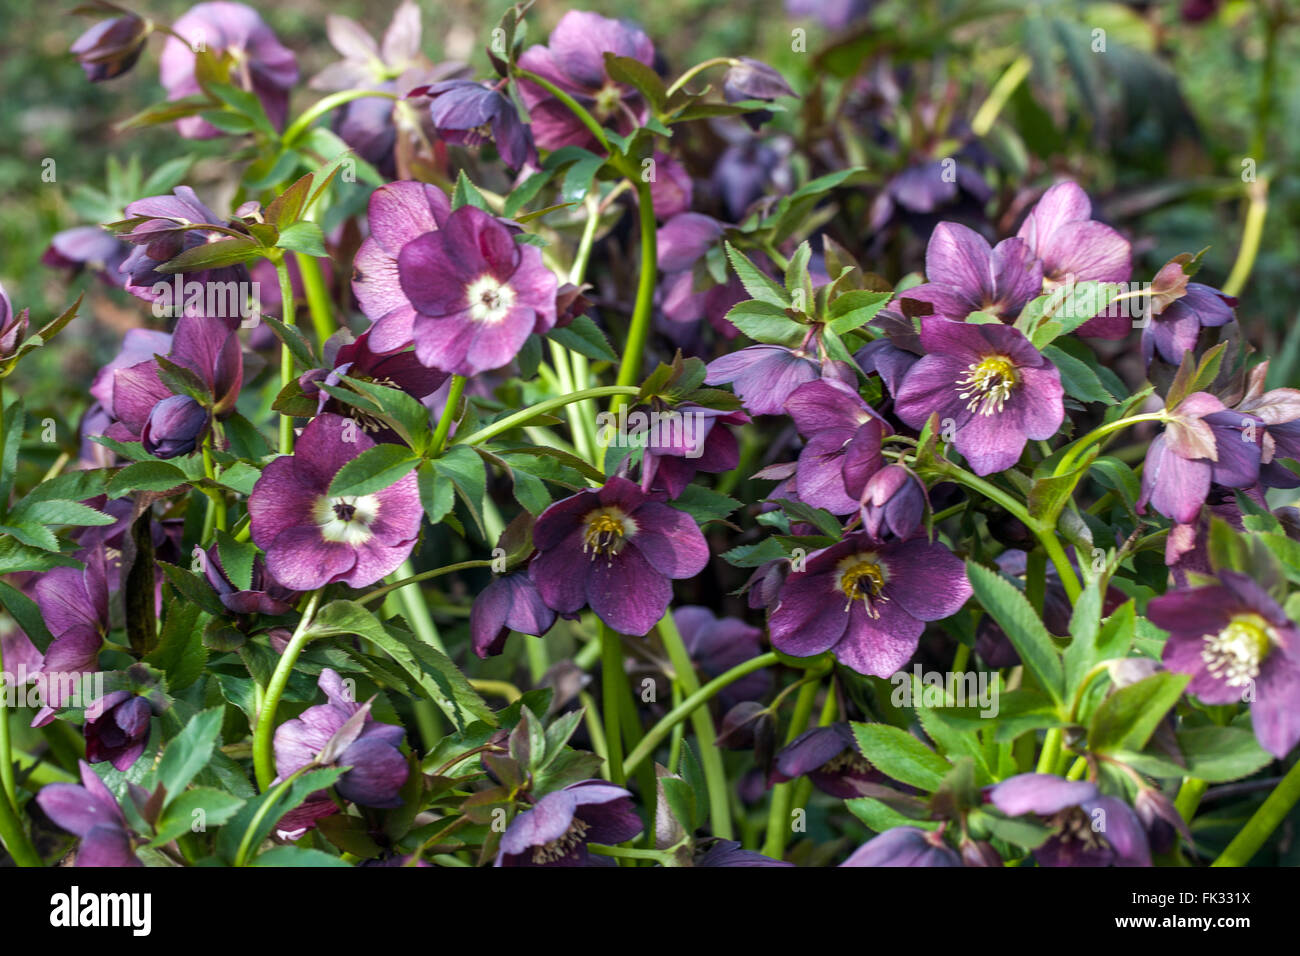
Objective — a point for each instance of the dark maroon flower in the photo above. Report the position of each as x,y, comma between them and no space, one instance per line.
866,601
1203,442
13,327
699,442
894,499
616,550
342,733
556,831
904,846
469,113
831,759
1238,644
510,603
111,47
1090,829
843,448
120,731
311,538
234,33
716,645
995,387
574,60
90,812
967,275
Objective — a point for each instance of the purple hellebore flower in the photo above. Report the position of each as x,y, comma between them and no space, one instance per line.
672,189
997,389
718,644
831,759
1072,246
74,606
730,853
750,169
843,448
259,63
924,187
675,454
867,602
682,241
1238,644
1203,443
894,498
120,732
88,247
1279,411
750,79
342,733
312,539
556,831
13,326
510,603
468,113
617,550
365,63
138,345
264,595
574,60
90,812
904,846
764,376
968,275
16,648
1091,829
111,47
167,232
1173,332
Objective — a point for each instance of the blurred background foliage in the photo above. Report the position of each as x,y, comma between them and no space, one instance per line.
1155,124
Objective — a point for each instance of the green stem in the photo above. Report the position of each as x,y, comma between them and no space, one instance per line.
263,757
629,369
573,105
778,814
286,357
518,418
659,731
1071,457
448,414
1252,230
323,106
246,841
1006,85
1265,820
1189,797
696,70
378,593
715,775
1051,750
630,853
613,682
318,299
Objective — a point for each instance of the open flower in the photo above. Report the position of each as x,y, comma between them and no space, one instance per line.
470,113
88,247
312,538
1238,644
90,812
843,448
904,846
235,33
556,831
867,602
574,60
996,388
616,549
1279,411
1090,829
968,275
765,376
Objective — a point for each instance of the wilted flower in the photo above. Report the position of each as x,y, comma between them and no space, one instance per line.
312,538
510,603
556,831
616,549
236,35
866,601
574,60
843,446
1090,829
90,812
1238,644
990,383
905,846
968,275
120,731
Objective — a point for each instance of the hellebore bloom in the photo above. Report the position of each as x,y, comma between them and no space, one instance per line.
111,47
831,759
168,230
996,388
235,34
263,595
1091,829
88,247
1173,328
1238,644
120,732
894,498
730,853
764,376
695,441
556,831
749,79
469,113
510,603
925,187
616,549
866,601
904,846
968,275
843,448
90,812
342,733
1072,246
716,645
749,169
74,606
311,538
574,60
13,327
366,63
1203,442
1279,411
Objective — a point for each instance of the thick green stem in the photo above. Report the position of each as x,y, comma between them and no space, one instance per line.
318,299
1070,459
1252,231
696,70
489,432
286,357
613,682
715,775
323,106
778,814
263,756
380,592
1266,819
629,370
1189,797
448,414
1051,751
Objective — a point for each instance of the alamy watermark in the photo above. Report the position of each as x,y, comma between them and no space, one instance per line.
211,299
77,689
671,431
945,689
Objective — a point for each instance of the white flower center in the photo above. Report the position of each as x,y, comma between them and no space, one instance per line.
490,301
347,518
1234,654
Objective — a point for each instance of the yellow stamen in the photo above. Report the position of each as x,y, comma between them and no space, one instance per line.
988,384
